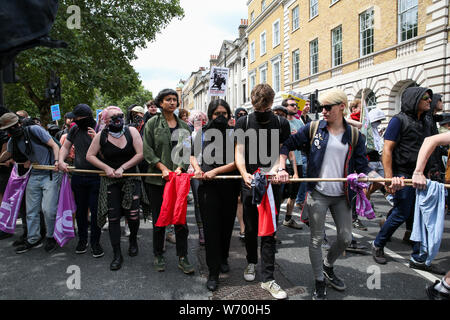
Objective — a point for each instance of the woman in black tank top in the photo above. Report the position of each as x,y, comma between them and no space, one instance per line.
121,151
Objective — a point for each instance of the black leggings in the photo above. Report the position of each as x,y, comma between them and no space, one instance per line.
115,212
155,195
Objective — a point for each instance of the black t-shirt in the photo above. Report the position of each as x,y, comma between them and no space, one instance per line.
82,141
262,131
214,160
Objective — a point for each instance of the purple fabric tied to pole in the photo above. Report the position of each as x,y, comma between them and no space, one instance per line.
66,207
363,206
12,199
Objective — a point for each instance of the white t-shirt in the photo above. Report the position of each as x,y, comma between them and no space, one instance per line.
333,166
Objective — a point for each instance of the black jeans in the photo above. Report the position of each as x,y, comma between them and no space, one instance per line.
268,244
86,190
155,196
115,212
218,204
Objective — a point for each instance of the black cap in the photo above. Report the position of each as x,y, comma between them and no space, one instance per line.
446,119
82,110
69,115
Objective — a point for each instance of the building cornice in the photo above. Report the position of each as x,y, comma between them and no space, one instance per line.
269,10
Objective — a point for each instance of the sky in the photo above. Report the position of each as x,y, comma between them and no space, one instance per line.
187,44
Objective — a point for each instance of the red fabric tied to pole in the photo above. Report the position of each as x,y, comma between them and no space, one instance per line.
267,214
174,206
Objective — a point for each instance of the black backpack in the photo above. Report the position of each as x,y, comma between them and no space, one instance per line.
29,137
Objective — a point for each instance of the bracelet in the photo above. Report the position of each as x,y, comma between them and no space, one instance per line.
281,169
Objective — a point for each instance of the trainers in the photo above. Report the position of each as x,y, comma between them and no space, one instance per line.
250,272
356,247
357,224
159,263
332,279
97,250
378,255
292,224
424,267
28,246
170,237
320,293
81,247
274,289
50,245
185,266
433,294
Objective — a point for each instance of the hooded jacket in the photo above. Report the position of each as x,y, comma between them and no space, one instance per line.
413,131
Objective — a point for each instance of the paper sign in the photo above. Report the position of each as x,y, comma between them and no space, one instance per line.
301,100
97,113
218,82
56,113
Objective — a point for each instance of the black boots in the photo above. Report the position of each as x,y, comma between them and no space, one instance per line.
116,264
133,249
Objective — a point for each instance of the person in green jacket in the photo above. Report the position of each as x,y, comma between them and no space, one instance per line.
162,134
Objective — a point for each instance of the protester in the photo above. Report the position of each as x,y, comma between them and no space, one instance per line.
68,119
184,115
218,212
37,146
293,168
304,116
402,140
158,146
334,148
152,110
85,186
5,171
137,119
121,151
261,122
280,111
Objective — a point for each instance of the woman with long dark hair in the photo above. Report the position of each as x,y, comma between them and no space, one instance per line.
217,210
162,134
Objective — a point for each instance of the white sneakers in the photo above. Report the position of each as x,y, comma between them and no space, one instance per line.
274,289
250,272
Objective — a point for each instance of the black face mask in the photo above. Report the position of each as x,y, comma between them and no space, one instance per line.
263,117
220,123
292,113
438,117
85,123
116,124
15,132
138,119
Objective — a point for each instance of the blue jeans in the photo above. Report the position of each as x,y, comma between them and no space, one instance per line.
303,185
404,203
85,190
42,193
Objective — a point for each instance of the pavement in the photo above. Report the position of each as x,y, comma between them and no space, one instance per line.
39,275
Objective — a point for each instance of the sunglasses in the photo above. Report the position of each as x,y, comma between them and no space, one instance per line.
292,104
218,114
241,114
328,107
426,97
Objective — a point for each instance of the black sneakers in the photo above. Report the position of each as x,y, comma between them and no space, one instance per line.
378,255
81,247
28,246
433,294
332,279
321,291
50,245
97,250
424,267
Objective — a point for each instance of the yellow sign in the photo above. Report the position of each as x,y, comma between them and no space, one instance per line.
301,100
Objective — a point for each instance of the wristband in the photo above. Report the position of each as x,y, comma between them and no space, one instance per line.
281,169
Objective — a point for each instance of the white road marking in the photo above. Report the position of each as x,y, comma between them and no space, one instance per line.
427,275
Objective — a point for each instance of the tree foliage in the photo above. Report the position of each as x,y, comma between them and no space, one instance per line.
98,59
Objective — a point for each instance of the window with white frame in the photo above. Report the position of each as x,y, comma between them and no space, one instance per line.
252,51
276,33
296,65
252,81
252,16
336,46
263,74
263,5
262,49
314,56
366,32
244,62
276,76
313,8
371,100
407,19
295,18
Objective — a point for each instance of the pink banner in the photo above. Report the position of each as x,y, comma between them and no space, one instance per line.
12,198
66,207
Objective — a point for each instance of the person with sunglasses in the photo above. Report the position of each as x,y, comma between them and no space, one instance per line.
117,149
331,154
404,136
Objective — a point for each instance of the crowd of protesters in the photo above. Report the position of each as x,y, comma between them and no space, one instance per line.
140,141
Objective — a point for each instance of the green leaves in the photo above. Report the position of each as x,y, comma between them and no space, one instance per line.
97,61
